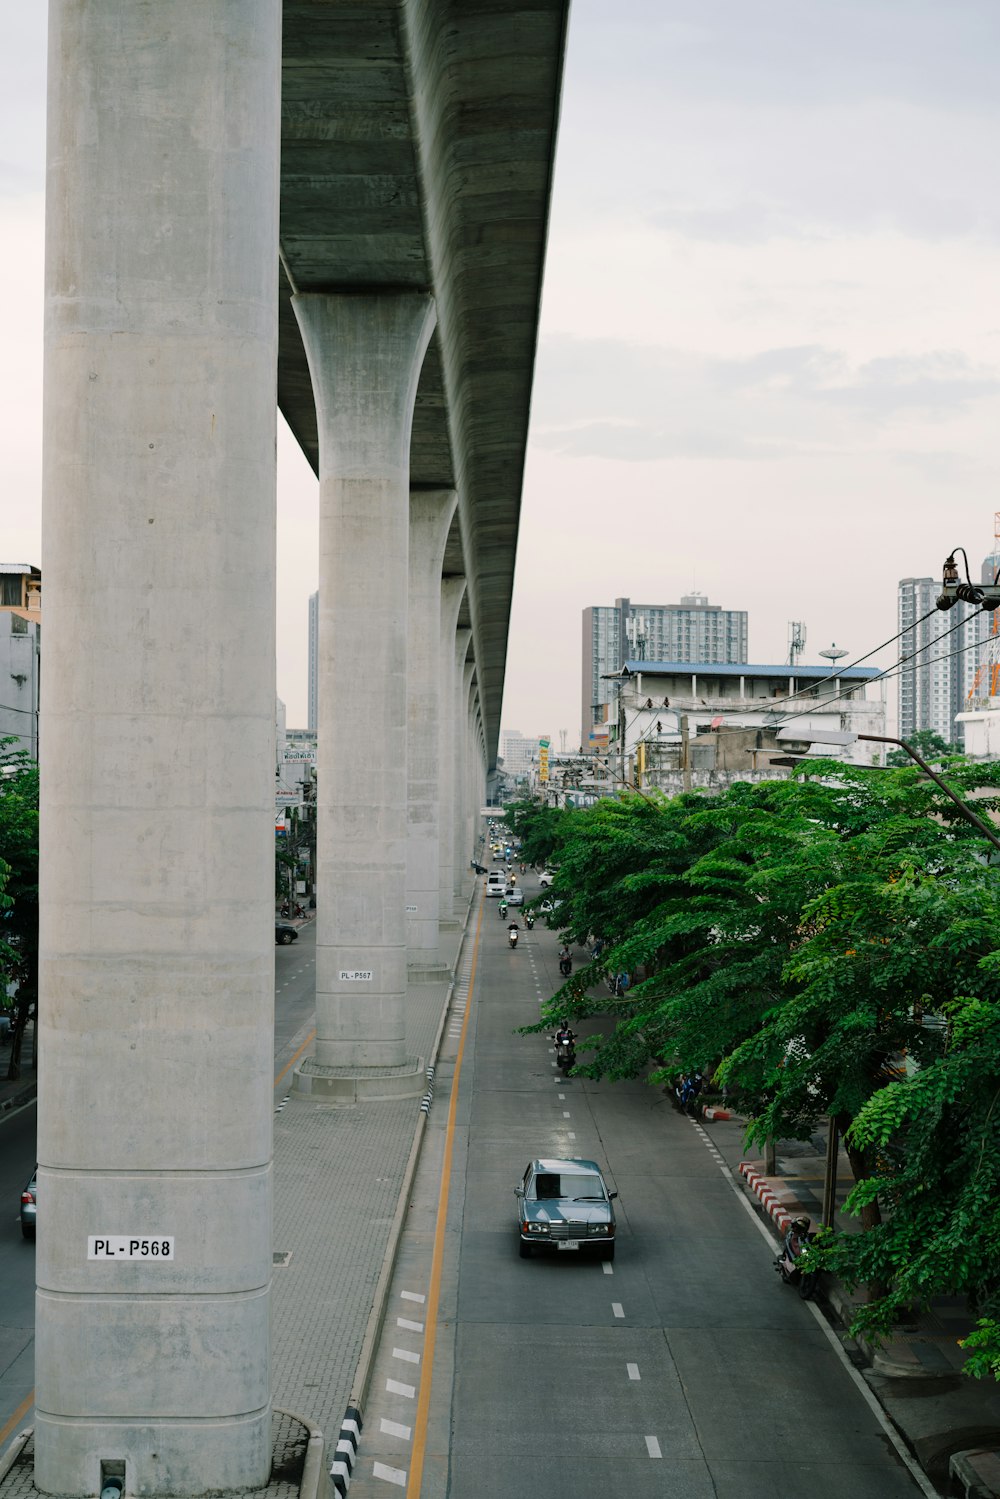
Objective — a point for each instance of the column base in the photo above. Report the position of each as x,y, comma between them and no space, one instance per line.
348,1085
428,973
450,924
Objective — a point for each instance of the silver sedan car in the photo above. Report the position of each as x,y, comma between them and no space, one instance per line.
565,1205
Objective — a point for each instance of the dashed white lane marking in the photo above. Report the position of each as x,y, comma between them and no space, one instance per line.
412,1296
617,1308
552,1064
565,1113
395,1388
633,1371
608,1269
394,1429
562,1095
570,1135
653,1447
410,1326
394,1475
406,1355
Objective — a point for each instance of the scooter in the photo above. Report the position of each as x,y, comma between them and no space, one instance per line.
512,937
566,966
797,1240
565,1056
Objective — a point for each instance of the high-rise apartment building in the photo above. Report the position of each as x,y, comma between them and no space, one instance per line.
693,630
313,686
517,752
946,649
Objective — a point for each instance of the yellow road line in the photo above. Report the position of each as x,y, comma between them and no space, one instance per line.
26,1405
308,1041
437,1259
18,1415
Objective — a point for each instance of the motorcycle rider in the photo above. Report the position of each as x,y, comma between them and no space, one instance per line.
565,1036
565,960
512,933
503,907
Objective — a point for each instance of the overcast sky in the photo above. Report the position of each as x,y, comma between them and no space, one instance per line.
769,364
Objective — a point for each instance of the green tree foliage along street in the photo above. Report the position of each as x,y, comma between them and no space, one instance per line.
18,887
825,946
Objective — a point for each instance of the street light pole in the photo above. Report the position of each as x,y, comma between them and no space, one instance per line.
966,812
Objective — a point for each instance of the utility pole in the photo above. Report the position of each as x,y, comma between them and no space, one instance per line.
685,753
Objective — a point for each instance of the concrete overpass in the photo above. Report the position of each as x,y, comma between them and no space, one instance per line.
339,207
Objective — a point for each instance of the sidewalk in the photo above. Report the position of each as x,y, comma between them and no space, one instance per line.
338,1173
13,1095
916,1375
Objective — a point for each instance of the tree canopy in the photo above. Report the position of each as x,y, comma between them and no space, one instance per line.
824,946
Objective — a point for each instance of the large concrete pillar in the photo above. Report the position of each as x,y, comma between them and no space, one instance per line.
464,677
431,514
157,843
365,350
454,643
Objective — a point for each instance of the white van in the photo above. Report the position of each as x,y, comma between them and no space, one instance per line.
496,882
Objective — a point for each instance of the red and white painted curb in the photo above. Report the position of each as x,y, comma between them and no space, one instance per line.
710,1112
774,1204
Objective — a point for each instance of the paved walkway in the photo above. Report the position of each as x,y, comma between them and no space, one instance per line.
337,1178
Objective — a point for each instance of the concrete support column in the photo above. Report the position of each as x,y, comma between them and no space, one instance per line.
365,351
156,968
454,644
431,514
464,676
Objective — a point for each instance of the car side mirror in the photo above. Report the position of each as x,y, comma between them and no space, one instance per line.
612,1194
518,1191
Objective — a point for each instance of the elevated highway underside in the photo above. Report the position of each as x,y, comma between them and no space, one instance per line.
417,145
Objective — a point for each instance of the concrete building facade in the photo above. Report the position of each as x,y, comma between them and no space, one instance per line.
693,630
676,725
20,654
936,682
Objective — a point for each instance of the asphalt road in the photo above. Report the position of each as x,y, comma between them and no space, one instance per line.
294,1005
685,1368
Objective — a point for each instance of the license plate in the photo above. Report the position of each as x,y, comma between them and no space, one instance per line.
568,1244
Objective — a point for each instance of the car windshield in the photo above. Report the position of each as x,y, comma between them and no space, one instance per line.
580,1188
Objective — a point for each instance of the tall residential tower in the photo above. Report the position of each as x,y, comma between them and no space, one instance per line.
693,630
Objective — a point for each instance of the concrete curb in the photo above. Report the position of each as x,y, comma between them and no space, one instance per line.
15,1448
314,1481
769,1199
976,1473
350,1431
17,1100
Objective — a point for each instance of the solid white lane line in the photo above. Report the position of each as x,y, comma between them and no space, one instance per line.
412,1296
633,1371
394,1429
616,1307
406,1355
410,1326
391,1475
653,1447
395,1388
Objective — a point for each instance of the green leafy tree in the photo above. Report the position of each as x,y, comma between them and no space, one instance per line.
929,745
19,874
538,827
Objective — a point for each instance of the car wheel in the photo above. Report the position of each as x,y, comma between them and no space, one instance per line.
286,938
524,1250
29,1233
608,1252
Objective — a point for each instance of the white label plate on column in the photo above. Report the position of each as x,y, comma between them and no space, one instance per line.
355,975
131,1247
410,910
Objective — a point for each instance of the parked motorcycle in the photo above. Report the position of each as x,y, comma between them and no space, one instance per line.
797,1240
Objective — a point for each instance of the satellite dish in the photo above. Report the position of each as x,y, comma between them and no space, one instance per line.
833,653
